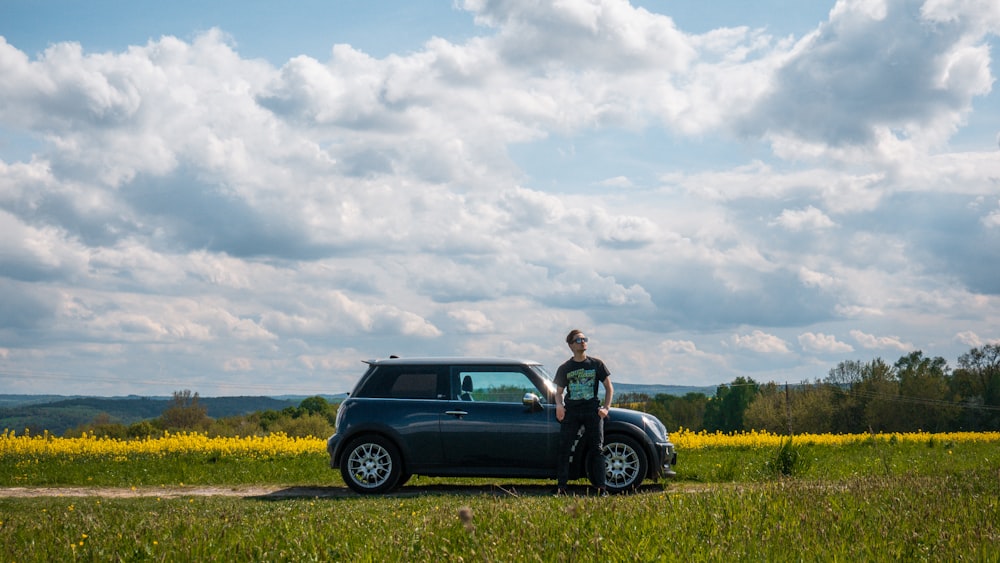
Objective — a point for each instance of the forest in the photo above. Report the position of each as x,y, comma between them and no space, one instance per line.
916,393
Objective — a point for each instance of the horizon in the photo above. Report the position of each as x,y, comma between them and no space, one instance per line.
296,395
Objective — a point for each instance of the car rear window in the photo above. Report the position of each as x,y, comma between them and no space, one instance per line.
403,382
414,386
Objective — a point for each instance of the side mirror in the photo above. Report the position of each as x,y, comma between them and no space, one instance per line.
532,401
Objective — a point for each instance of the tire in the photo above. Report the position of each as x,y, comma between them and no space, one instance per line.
371,465
625,463
403,479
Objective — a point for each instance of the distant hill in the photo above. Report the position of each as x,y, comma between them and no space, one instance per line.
58,414
19,400
654,390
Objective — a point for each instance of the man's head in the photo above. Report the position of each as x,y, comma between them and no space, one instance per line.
577,340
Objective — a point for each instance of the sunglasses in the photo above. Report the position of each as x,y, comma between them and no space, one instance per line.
580,340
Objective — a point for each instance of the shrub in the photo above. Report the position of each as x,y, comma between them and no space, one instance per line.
309,426
788,461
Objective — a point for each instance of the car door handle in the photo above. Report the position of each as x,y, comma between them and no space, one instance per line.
458,414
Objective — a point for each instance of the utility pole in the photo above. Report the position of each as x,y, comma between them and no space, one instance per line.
788,408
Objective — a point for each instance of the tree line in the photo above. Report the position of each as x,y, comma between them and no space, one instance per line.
913,394
314,416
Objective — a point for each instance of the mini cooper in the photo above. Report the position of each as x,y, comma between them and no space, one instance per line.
477,417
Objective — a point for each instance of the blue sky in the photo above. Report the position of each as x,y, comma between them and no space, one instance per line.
251,198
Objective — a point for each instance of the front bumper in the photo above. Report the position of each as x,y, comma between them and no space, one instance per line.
669,459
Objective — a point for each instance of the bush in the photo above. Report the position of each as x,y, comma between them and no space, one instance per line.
788,461
308,426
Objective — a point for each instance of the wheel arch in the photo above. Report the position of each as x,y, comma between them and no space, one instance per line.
632,431
373,430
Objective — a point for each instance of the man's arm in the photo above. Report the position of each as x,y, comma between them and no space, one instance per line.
609,392
560,407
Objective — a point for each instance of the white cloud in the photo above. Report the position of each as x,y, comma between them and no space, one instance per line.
760,342
850,91
823,343
872,342
809,218
678,347
992,220
472,322
622,231
970,338
980,15
616,182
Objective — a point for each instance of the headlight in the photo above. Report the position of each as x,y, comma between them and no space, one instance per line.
656,427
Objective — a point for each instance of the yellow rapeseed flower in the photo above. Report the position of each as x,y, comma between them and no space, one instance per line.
33,448
259,447
685,439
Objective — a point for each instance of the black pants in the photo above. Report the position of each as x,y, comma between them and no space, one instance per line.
592,441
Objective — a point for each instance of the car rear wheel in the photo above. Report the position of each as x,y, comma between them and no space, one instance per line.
625,464
371,465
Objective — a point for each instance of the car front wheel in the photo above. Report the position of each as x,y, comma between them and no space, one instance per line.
371,465
625,464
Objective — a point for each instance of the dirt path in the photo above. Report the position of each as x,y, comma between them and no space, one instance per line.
266,492
174,492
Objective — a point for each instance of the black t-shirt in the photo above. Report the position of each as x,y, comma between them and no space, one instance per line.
581,380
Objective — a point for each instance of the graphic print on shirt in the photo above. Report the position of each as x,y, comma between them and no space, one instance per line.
582,384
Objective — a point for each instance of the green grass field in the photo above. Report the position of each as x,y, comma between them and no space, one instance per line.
862,502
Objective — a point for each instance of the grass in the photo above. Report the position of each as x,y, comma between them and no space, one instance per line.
152,470
862,501
909,518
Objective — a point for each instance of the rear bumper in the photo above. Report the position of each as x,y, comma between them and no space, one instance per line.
331,448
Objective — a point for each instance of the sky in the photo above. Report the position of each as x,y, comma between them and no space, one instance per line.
252,198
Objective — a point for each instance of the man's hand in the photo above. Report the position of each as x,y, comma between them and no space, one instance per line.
602,411
560,412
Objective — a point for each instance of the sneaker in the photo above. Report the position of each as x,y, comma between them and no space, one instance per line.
560,492
602,492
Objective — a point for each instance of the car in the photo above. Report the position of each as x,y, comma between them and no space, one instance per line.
477,417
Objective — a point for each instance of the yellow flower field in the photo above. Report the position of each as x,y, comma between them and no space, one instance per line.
685,439
274,445
168,444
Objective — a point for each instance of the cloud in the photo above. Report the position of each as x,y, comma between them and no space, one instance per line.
845,83
616,182
186,210
823,344
872,342
809,218
992,220
623,231
582,32
969,338
972,339
759,342
472,322
678,347
22,309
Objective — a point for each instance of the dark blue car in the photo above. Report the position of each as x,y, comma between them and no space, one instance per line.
476,417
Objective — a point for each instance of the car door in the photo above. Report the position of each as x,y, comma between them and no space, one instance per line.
487,425
406,402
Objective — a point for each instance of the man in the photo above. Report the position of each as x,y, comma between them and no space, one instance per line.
578,378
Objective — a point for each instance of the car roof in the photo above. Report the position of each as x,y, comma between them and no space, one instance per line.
453,360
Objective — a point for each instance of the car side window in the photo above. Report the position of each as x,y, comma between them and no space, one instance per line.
404,382
501,386
416,385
